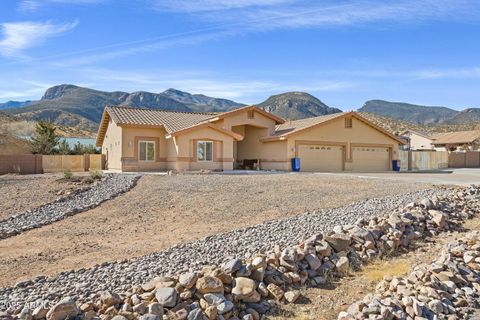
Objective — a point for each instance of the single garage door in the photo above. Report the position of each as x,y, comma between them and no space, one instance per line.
370,159
318,158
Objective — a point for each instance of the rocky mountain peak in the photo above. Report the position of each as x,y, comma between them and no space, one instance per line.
58,91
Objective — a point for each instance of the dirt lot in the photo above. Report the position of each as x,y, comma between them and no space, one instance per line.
164,210
22,192
325,303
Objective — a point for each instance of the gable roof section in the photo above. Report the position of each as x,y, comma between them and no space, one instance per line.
421,134
172,121
232,134
269,115
456,137
282,131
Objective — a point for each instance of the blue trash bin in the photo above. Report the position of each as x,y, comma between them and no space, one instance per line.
396,165
296,164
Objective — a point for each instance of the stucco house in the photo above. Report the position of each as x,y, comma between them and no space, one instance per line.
459,140
418,140
136,139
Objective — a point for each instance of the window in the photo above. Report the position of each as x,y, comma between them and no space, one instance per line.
146,151
348,123
251,114
204,150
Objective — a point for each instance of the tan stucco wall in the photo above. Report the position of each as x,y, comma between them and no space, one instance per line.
186,145
335,132
272,155
131,137
241,118
113,144
418,142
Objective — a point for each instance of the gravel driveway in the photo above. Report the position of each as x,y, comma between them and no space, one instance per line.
162,211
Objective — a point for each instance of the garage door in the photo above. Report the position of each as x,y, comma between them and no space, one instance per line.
318,158
369,159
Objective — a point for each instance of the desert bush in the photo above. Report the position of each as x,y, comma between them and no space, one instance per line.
96,174
67,174
17,169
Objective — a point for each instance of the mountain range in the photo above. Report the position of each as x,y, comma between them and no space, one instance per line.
70,105
14,104
425,115
73,106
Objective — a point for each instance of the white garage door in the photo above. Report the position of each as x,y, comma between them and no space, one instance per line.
318,158
370,159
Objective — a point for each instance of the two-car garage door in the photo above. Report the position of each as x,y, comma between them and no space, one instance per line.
371,159
320,158
328,158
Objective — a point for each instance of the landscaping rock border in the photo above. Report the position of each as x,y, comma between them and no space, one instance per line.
216,249
109,187
448,288
246,288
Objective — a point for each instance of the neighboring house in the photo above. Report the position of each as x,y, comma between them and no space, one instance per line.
12,145
417,140
460,140
135,139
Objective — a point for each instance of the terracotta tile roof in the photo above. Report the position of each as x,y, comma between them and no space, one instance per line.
419,133
293,126
172,121
456,137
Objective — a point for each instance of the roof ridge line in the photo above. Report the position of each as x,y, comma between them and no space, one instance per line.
213,113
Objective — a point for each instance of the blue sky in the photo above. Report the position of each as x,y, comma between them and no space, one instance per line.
343,52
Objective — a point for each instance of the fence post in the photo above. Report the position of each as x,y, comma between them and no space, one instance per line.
86,162
409,160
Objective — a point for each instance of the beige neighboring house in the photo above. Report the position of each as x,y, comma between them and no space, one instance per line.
455,141
136,139
418,140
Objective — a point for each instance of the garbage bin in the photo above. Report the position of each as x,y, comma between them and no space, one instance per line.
396,165
296,164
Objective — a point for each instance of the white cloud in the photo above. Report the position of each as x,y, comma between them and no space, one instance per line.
267,15
33,5
246,89
18,36
460,73
214,5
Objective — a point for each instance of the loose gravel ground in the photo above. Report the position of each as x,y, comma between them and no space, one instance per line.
20,193
118,276
162,211
99,191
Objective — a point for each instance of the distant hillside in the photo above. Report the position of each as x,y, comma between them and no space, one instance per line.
80,109
296,105
14,104
466,116
396,126
14,126
409,112
196,101
73,106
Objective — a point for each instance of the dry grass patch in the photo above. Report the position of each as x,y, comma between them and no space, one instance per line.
302,316
378,269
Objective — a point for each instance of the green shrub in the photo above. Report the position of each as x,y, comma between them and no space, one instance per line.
96,174
67,174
